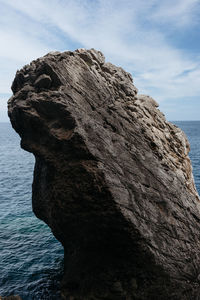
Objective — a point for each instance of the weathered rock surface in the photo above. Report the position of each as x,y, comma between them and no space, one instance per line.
112,179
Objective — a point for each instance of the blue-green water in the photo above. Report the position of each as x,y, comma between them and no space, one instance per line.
192,131
31,260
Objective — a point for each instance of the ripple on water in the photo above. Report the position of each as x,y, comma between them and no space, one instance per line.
31,259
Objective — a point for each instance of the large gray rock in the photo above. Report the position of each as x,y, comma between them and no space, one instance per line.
112,179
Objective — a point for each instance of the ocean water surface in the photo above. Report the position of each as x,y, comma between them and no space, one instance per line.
192,131
31,259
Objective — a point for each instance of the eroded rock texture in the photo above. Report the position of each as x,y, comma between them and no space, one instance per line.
112,179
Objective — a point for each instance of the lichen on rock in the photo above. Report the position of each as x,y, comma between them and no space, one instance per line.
112,179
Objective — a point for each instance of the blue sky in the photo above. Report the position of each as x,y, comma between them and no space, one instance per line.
157,41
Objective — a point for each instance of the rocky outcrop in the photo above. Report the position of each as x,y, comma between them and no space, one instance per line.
112,179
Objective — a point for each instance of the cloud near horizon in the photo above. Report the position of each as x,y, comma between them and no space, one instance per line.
157,41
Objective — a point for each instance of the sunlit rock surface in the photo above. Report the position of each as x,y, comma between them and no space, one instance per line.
112,179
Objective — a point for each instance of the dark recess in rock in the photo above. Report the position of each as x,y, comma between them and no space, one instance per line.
112,179
43,81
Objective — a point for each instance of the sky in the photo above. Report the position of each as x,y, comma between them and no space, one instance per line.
158,42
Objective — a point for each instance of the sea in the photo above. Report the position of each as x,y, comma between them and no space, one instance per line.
31,259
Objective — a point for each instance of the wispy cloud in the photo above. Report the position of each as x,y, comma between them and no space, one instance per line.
180,13
139,35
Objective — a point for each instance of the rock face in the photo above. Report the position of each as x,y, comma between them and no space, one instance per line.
112,179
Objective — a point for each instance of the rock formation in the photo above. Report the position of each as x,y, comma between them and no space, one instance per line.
112,179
